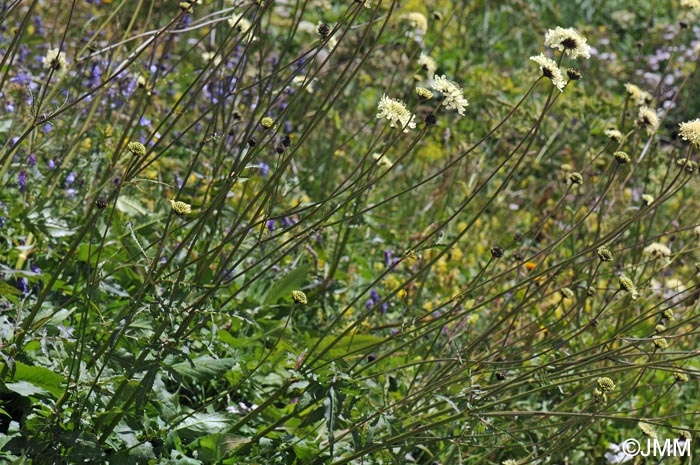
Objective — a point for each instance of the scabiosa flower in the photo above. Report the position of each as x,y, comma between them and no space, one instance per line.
550,70
423,93
614,134
427,63
180,208
648,120
621,157
396,113
299,297
627,285
637,95
569,41
690,131
691,4
660,342
647,199
416,20
239,23
606,384
657,250
136,148
55,59
604,254
452,92
267,122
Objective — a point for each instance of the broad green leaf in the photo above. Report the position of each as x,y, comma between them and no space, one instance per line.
204,368
42,378
284,286
130,206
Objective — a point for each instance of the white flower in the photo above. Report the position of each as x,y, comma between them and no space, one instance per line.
452,92
550,70
569,41
54,59
690,131
300,80
427,63
396,113
657,250
647,119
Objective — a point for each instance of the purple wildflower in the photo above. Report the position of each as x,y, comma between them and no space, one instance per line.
22,180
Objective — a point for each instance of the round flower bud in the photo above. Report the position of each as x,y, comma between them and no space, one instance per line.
604,254
680,377
606,384
660,328
627,285
180,208
267,122
299,297
621,157
137,148
574,74
660,342
423,93
668,314
576,178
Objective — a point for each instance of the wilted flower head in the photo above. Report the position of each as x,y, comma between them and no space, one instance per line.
54,59
657,250
396,113
569,41
648,120
427,63
614,134
690,130
550,70
454,96
621,157
638,96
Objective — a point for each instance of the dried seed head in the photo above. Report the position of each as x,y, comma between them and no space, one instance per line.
575,178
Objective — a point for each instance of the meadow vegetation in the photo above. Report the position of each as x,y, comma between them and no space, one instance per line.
347,232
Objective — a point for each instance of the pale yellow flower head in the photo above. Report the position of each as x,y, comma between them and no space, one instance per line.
416,20
690,131
550,70
569,41
54,59
452,92
396,113
691,4
648,120
637,95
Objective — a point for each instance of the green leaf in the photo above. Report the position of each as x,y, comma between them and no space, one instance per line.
204,368
130,206
204,423
284,286
43,380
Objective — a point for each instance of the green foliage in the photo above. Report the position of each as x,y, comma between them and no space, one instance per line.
412,281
